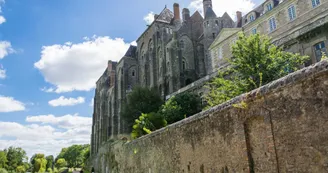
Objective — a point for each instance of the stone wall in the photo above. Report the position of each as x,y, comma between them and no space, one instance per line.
282,129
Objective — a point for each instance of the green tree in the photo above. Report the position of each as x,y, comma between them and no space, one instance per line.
256,62
180,106
50,161
2,170
15,157
147,123
21,169
74,155
61,163
3,159
140,100
40,163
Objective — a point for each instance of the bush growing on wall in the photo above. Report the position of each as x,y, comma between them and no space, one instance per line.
140,100
255,62
147,123
180,106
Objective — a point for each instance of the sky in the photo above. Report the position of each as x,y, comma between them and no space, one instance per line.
53,52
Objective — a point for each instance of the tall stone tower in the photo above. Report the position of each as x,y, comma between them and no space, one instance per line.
212,26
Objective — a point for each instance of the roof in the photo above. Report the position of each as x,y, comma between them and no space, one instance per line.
224,34
165,16
131,51
210,14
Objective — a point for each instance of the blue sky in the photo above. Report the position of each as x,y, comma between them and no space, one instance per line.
51,54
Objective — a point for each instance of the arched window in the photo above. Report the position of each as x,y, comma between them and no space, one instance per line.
182,44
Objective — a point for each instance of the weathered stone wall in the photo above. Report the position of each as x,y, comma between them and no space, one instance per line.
282,129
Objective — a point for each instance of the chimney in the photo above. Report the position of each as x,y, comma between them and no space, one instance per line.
239,18
176,8
185,14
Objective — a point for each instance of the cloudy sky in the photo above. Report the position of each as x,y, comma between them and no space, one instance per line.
52,53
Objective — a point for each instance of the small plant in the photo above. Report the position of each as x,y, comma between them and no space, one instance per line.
147,123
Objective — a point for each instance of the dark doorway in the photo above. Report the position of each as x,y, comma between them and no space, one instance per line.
188,81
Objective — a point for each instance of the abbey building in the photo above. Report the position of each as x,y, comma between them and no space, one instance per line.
180,52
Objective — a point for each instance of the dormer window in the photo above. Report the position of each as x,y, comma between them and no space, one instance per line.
315,3
251,18
269,7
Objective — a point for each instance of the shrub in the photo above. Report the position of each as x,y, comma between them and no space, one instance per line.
147,123
3,170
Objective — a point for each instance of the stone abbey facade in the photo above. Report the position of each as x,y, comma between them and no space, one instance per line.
177,54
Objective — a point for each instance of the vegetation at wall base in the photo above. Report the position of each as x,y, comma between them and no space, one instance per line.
256,62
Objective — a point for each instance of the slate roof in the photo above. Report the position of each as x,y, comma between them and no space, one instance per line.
131,51
165,16
210,14
259,11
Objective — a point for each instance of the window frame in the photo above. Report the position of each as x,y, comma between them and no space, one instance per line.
292,15
254,30
272,22
315,3
322,48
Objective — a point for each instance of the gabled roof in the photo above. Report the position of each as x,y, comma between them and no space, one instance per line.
131,51
165,16
224,34
196,15
210,14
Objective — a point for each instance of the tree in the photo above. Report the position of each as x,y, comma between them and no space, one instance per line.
3,159
15,157
256,62
2,170
74,155
21,169
140,100
180,106
50,161
40,163
147,123
60,163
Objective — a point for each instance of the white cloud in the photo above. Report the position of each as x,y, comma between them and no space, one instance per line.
5,48
149,18
222,6
2,20
9,104
62,101
77,67
48,136
66,121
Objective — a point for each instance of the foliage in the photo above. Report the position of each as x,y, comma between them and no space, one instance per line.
60,163
3,159
2,170
40,163
147,123
50,161
74,155
256,58
255,62
180,106
15,157
21,169
140,100
324,56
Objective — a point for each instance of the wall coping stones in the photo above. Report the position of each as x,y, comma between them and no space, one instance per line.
314,70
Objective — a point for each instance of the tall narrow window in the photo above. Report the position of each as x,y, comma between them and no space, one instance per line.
216,23
220,53
254,31
319,48
269,7
315,3
183,65
208,23
272,23
213,35
251,18
292,12
182,44
133,73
